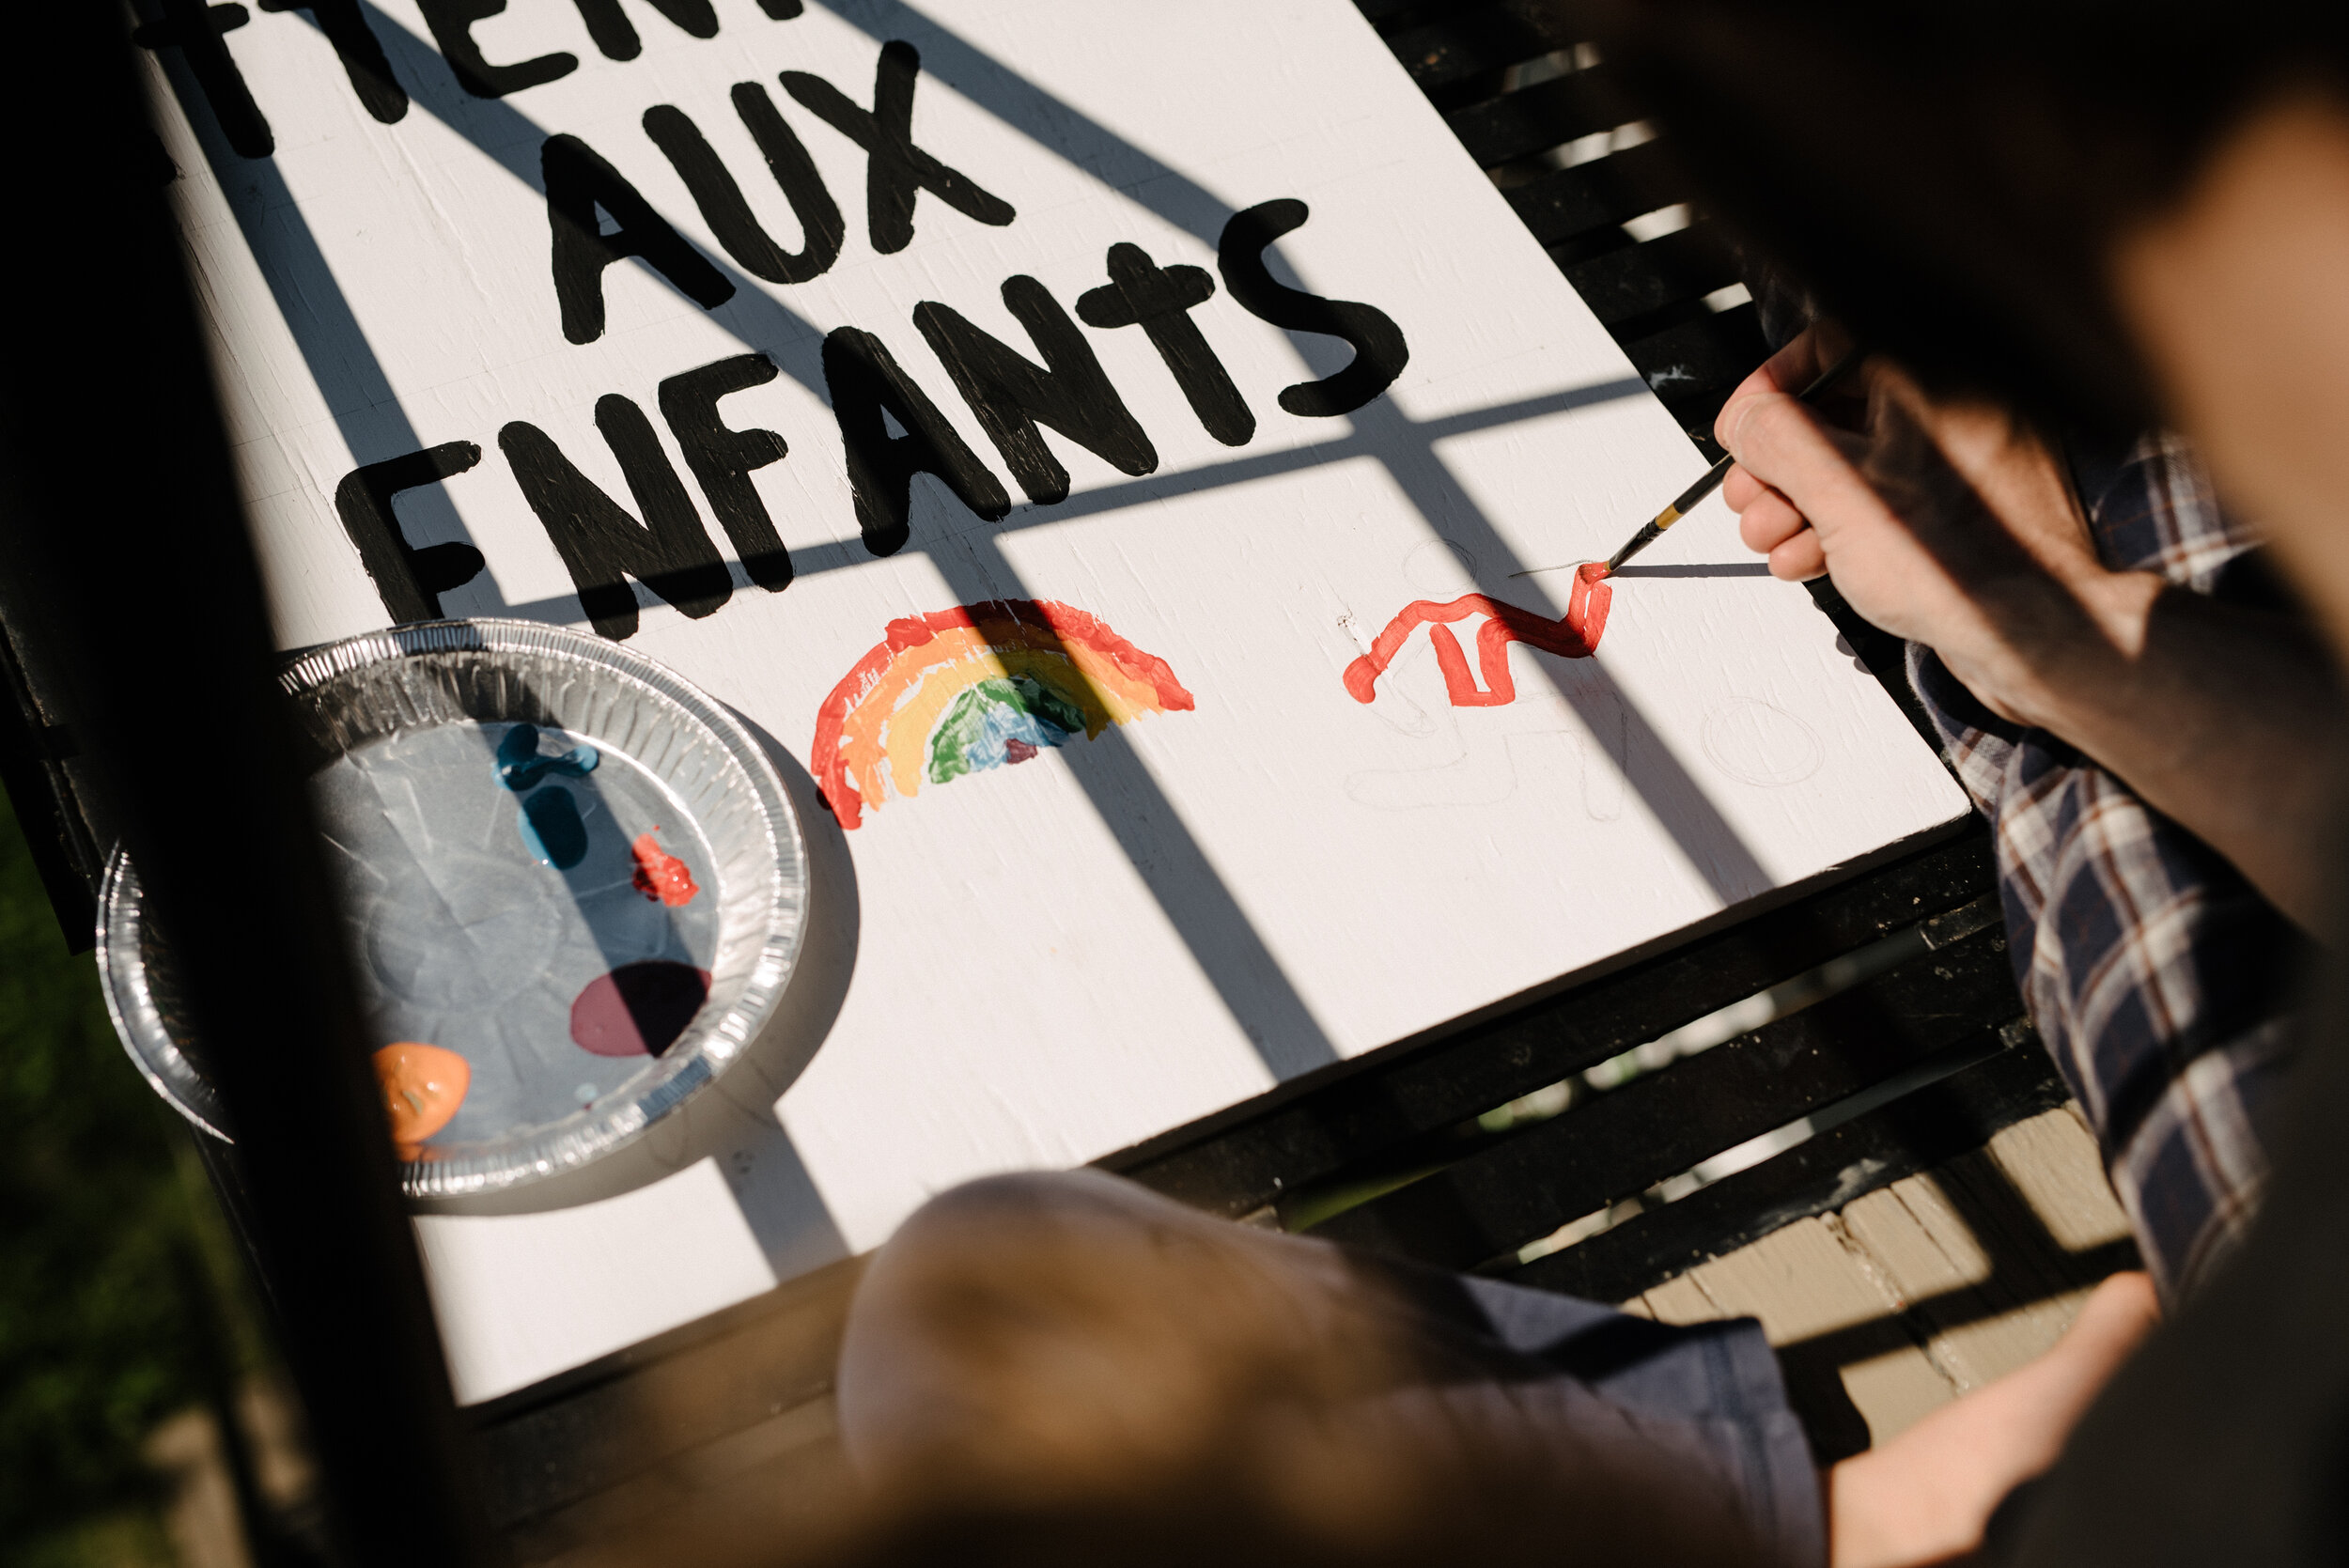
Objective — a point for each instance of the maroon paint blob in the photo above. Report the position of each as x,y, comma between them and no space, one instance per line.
638,1009
1017,750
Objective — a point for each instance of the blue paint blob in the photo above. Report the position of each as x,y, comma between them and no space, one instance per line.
520,767
519,745
551,831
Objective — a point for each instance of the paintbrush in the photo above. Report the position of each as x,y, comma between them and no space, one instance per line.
1686,500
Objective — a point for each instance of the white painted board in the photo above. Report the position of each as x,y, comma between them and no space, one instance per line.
1055,960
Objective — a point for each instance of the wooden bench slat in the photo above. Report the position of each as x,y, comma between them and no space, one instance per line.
1479,41
1717,349
586,1430
1913,1133
1566,204
1695,366
1544,115
1252,1157
1621,1143
1674,270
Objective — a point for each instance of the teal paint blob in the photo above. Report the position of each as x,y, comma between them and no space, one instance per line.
520,767
551,828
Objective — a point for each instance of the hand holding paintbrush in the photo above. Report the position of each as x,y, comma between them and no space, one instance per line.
1708,482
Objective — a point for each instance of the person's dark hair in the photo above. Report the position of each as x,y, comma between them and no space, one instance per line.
1948,178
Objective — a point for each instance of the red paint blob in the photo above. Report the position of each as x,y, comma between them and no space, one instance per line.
660,874
1573,635
1017,750
638,1009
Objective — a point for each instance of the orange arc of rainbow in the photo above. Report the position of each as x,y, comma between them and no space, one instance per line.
872,733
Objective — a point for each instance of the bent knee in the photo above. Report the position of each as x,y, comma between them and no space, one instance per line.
1030,1205
1075,1244
987,1288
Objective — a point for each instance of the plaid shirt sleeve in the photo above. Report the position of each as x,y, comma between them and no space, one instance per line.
2157,976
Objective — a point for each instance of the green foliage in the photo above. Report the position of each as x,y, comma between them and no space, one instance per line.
99,1337
133,1538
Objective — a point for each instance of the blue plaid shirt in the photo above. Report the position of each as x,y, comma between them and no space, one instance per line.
2157,977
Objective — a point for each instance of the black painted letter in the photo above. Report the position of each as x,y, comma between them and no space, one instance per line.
361,51
195,28
1010,394
452,21
1160,299
722,459
617,37
721,199
600,544
578,181
863,380
895,171
1379,352
410,580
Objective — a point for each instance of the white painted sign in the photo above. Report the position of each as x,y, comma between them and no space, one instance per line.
1162,659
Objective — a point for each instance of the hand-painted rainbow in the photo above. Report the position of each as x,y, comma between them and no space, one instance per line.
977,687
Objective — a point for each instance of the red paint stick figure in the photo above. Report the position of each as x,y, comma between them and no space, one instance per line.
1574,636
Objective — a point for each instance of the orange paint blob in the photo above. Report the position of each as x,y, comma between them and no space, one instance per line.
423,1086
660,874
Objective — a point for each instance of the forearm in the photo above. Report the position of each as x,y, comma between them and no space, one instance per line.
2225,719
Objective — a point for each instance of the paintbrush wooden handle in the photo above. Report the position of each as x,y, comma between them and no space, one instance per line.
1680,508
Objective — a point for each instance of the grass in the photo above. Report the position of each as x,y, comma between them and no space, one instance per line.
111,1258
